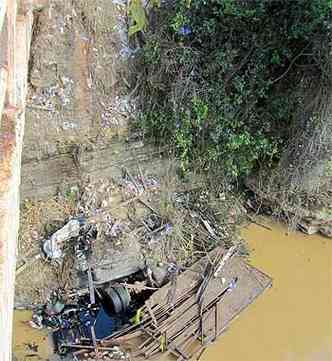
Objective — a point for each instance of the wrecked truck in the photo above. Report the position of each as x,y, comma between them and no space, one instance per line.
181,316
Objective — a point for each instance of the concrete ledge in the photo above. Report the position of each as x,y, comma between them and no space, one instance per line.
15,38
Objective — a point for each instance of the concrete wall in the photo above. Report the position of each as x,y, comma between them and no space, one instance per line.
15,37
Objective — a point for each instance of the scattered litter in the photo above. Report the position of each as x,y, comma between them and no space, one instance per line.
120,2
127,52
37,321
27,263
47,98
69,125
208,228
131,278
52,250
53,246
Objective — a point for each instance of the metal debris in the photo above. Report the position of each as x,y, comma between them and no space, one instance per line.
186,325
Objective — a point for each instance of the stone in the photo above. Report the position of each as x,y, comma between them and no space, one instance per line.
308,228
159,274
326,230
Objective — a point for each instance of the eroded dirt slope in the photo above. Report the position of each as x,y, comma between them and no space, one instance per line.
78,104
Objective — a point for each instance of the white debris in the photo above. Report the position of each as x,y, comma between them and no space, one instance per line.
53,246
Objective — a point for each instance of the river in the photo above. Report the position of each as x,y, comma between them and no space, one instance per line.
292,321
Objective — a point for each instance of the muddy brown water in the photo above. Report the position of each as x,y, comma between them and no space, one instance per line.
28,343
292,321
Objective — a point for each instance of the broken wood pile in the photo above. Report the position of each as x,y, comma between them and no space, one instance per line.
204,299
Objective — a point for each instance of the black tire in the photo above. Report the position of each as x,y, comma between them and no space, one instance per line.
124,296
116,301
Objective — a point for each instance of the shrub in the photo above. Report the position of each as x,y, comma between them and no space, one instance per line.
220,77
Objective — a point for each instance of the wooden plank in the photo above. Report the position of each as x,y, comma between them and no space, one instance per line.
190,308
182,321
218,308
189,333
194,325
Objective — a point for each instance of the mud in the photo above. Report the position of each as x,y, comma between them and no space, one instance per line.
28,343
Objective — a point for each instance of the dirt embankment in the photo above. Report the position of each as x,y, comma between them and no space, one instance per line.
78,105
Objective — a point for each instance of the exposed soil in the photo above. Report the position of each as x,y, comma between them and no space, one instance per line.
77,101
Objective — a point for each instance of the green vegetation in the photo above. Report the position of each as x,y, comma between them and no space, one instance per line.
220,78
